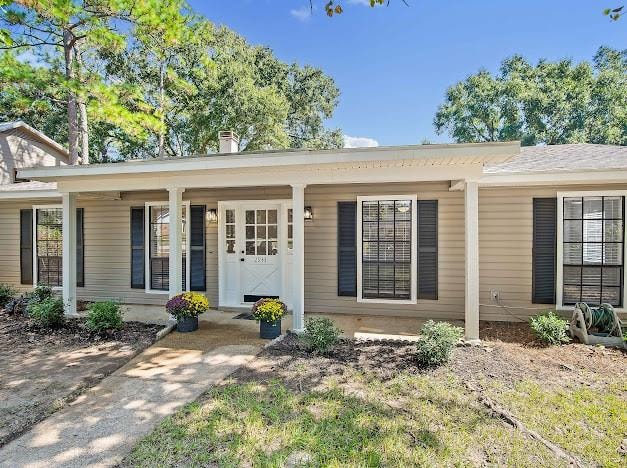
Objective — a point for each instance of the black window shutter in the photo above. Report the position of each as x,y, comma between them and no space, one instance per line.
80,248
427,249
138,265
544,250
26,246
347,248
197,248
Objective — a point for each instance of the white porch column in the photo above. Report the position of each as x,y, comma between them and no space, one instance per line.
68,262
298,258
175,242
471,203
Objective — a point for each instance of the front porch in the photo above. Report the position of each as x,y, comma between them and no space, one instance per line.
218,327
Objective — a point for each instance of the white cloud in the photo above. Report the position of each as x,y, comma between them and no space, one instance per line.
359,142
301,14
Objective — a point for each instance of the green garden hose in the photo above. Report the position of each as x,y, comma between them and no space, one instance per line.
601,318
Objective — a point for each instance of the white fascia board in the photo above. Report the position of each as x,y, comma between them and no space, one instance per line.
266,177
616,176
440,155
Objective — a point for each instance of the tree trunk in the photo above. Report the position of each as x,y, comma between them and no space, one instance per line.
68,49
82,109
84,131
162,109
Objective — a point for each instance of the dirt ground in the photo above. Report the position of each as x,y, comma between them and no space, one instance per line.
42,370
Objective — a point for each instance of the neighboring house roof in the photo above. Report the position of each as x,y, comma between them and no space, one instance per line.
558,158
31,189
18,124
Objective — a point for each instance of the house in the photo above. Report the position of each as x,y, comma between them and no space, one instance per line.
454,231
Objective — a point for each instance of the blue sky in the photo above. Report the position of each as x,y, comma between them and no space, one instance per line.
393,64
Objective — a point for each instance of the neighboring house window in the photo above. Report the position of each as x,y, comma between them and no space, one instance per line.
48,246
16,179
592,259
386,248
158,229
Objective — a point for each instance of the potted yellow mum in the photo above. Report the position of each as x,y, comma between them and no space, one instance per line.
186,308
268,313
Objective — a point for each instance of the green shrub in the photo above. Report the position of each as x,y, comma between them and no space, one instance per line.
436,342
320,334
48,313
549,328
6,294
40,294
269,310
104,316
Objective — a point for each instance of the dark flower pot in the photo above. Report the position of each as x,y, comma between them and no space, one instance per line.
269,330
187,324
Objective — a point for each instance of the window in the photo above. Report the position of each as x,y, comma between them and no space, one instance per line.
48,246
16,179
290,230
386,243
592,258
229,226
159,247
261,232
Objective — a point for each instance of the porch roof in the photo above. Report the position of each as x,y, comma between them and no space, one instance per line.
415,155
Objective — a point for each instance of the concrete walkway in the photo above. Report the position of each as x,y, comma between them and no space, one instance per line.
103,425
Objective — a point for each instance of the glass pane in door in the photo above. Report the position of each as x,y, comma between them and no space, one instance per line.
261,232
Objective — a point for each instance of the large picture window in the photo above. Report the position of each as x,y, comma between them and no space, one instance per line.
592,259
159,247
387,254
48,246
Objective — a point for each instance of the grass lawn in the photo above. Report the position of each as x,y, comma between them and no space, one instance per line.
368,404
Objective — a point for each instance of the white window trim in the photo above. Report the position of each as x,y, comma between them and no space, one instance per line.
35,263
414,244
560,243
187,205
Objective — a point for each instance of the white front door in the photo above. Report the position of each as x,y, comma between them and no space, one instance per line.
260,262
253,257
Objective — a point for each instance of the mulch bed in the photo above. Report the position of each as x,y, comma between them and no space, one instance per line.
508,353
15,329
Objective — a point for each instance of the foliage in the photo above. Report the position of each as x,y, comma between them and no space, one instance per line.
549,328
47,313
103,316
549,103
17,305
188,304
6,294
320,334
269,310
141,79
40,293
436,342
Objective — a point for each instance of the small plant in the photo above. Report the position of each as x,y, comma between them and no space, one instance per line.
103,316
48,313
320,334
436,342
269,310
6,294
549,328
189,304
40,294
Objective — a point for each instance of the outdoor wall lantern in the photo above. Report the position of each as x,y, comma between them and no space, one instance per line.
212,215
308,213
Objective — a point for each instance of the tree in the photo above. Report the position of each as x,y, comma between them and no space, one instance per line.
72,29
552,103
